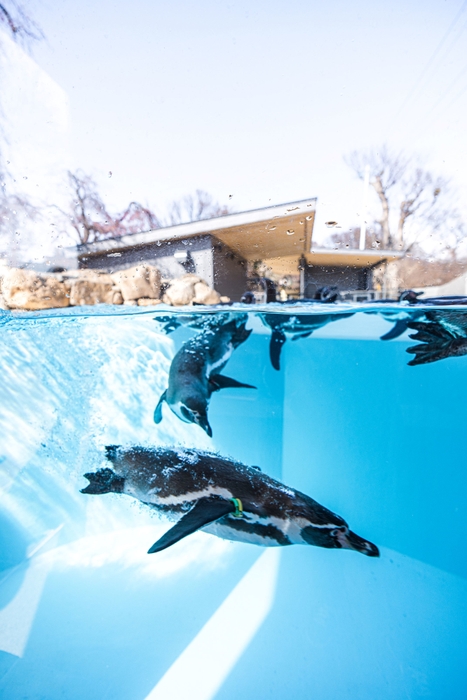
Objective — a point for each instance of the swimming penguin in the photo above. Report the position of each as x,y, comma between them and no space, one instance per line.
169,324
442,334
405,317
297,325
195,372
223,497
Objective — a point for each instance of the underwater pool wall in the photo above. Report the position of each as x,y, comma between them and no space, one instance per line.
85,612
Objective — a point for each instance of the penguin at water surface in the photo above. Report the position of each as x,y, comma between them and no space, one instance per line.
297,326
194,374
223,497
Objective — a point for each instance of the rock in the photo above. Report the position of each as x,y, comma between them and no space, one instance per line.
149,302
190,289
181,291
142,281
91,289
116,296
25,289
205,295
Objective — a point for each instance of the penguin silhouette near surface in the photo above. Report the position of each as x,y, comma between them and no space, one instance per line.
204,491
195,372
297,326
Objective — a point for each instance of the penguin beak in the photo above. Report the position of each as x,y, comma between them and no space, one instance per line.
350,540
202,421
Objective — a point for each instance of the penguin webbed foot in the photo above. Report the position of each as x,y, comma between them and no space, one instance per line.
204,512
103,481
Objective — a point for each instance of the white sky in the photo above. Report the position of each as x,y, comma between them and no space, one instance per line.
259,100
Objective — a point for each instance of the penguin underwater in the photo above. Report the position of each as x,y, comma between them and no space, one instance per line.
222,497
194,374
298,326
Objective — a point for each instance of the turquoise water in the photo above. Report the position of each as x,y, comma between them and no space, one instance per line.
85,612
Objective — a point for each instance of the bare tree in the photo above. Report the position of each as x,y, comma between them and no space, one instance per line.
195,207
91,220
17,22
416,206
15,210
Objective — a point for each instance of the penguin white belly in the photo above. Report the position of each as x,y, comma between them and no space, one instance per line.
260,531
230,533
219,364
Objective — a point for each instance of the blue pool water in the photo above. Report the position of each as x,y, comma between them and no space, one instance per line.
86,613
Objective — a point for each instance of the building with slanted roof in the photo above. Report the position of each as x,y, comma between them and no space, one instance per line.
220,249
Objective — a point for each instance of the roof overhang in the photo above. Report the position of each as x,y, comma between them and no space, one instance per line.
280,236
351,258
271,232
288,265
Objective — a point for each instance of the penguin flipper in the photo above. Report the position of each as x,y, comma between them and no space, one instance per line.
206,511
158,409
278,339
220,381
302,335
397,330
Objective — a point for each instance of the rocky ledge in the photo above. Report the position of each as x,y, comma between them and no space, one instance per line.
141,285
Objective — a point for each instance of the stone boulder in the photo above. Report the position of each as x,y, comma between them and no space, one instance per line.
140,282
25,289
190,289
145,301
93,288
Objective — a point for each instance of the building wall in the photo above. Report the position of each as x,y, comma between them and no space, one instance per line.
345,278
208,258
160,255
230,271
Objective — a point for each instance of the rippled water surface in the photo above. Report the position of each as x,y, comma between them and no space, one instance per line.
363,409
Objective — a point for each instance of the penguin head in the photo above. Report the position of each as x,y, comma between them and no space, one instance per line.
338,536
195,412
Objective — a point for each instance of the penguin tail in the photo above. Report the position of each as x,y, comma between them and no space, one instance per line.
241,334
236,327
103,481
